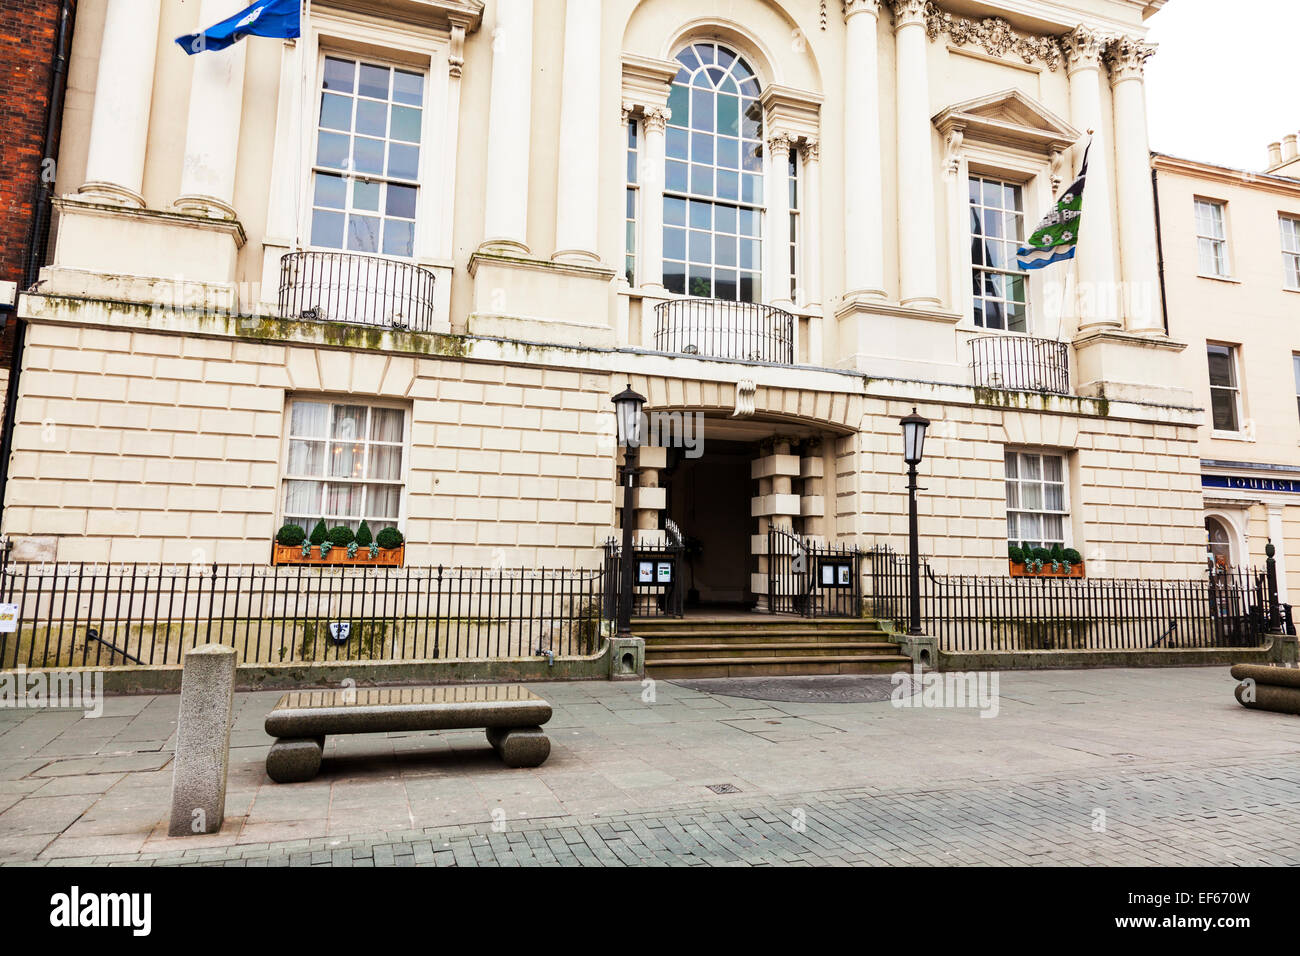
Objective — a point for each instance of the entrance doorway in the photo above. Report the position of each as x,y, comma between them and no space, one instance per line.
708,498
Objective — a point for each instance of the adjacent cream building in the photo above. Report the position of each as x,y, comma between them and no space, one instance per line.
396,270
1231,250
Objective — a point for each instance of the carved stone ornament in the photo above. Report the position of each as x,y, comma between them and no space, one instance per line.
995,35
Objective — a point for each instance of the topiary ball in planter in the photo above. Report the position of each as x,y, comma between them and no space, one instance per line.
1073,557
365,538
1017,555
390,539
290,536
319,534
341,536
1042,555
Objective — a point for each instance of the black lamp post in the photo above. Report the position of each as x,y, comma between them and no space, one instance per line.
627,410
914,427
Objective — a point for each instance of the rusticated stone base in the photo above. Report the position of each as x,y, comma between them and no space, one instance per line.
295,760
520,746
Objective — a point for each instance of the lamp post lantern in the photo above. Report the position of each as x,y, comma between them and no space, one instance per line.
914,427
627,409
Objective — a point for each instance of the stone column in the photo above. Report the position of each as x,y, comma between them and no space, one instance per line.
917,277
650,260
216,109
1277,534
864,224
505,220
119,126
1096,250
1139,259
812,499
577,207
776,279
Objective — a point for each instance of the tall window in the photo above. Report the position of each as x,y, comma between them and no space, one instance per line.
713,180
345,463
1225,394
1211,238
795,220
633,199
1036,507
365,179
997,223
1295,366
1291,251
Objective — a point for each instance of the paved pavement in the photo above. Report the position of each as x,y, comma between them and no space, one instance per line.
1154,767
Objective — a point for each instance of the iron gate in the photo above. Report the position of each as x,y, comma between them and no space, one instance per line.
811,580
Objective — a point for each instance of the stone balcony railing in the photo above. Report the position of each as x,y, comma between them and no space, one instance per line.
718,328
356,289
1021,364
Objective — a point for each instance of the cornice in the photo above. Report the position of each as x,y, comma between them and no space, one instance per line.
1208,172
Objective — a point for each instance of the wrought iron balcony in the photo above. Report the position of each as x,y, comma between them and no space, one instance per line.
1019,363
718,328
356,289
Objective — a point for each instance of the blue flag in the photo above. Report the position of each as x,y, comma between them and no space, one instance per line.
266,18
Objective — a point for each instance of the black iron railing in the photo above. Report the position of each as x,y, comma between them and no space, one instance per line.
357,289
718,328
1021,364
109,616
659,590
812,580
993,613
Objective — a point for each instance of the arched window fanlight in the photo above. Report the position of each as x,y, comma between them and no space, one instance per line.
713,182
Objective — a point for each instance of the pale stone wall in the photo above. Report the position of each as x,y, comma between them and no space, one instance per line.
135,446
1134,488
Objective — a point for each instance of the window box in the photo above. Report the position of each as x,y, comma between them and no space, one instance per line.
282,554
1018,570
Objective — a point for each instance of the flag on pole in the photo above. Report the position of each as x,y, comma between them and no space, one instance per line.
1057,236
266,18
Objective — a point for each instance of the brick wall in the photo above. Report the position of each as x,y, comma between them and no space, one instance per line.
27,36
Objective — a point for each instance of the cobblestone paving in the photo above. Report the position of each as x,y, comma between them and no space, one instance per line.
1107,767
1247,814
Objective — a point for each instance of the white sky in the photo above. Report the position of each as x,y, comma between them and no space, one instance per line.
1226,80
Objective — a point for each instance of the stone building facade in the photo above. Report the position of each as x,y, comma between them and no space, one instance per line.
1231,248
455,229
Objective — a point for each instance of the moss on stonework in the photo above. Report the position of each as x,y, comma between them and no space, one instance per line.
302,331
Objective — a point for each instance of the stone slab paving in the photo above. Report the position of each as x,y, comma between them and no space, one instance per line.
1129,767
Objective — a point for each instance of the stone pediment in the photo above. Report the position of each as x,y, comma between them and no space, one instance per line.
1009,117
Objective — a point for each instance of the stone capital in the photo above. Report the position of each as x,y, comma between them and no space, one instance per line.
853,7
656,118
780,144
1126,57
909,13
1083,48
811,150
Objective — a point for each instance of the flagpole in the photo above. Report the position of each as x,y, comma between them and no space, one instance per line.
304,91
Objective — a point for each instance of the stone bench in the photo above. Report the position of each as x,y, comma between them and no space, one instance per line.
1267,687
300,722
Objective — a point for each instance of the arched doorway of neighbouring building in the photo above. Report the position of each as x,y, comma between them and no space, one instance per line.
1218,544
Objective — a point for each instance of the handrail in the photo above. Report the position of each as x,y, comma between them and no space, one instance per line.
356,289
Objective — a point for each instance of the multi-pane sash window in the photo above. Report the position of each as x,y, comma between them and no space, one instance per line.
1211,238
1036,507
713,178
997,222
1291,251
345,463
633,199
365,179
1225,393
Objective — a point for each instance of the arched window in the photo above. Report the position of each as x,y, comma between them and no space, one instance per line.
713,182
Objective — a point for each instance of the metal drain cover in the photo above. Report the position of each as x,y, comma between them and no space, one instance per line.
724,788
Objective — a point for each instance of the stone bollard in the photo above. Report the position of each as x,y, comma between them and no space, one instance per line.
203,741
